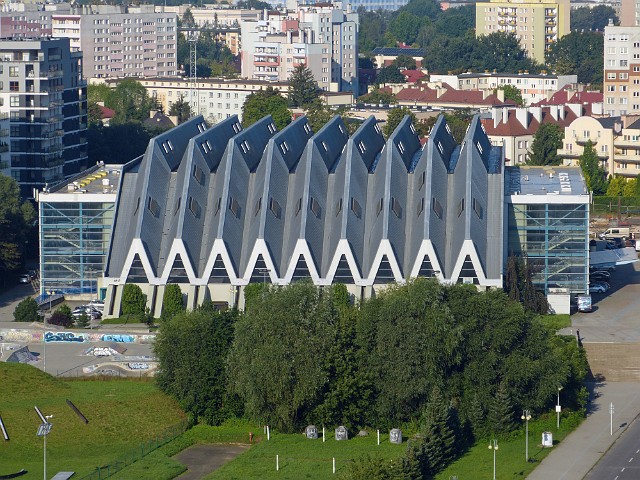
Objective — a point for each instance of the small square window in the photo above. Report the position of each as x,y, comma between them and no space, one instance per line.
234,207
356,208
194,207
380,207
198,174
437,208
258,207
275,208
338,207
298,206
396,207
420,206
153,207
461,207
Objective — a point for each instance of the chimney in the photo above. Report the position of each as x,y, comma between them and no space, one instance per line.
597,108
495,116
575,108
562,111
570,93
485,93
505,116
440,91
553,110
500,95
537,113
152,113
522,114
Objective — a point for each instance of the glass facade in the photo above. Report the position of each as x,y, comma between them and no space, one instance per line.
74,241
554,237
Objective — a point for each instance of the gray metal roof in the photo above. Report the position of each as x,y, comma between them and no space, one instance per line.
530,180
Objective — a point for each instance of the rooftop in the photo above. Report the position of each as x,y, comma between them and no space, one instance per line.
395,51
98,179
554,180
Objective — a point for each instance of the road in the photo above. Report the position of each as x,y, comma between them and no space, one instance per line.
622,461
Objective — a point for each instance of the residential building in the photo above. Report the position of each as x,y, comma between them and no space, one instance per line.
359,210
323,37
375,5
43,91
533,87
547,211
514,128
537,24
76,218
116,40
629,13
601,132
621,70
626,149
575,94
385,56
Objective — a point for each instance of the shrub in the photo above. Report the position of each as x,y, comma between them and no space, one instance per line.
60,319
171,301
26,311
133,301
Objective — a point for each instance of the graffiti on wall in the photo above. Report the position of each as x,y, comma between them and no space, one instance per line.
64,337
21,336
119,338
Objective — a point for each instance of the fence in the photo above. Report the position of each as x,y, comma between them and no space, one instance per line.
623,207
138,453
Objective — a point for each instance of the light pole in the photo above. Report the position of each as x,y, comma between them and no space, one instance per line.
558,409
611,415
44,332
43,431
526,416
493,445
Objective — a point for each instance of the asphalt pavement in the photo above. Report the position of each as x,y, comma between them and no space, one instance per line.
622,462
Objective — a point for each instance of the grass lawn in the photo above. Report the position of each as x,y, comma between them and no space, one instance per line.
556,322
122,413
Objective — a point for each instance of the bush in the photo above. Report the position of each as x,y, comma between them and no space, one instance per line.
60,319
171,301
65,311
26,311
134,301
83,320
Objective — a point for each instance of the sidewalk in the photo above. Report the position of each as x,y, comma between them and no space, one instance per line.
580,451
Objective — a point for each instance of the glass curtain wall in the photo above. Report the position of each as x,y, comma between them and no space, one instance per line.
74,240
554,237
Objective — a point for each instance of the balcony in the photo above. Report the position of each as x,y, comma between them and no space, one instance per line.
502,22
502,14
622,142
627,157
582,140
266,64
4,148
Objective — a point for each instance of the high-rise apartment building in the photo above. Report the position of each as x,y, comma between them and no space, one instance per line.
621,70
322,37
536,24
116,40
45,95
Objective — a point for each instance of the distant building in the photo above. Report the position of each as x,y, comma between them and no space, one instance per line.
45,96
323,37
621,70
374,5
75,222
537,24
533,87
385,56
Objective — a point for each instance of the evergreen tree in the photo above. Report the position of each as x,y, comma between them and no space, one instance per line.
180,109
389,74
171,301
545,145
477,417
500,417
303,88
593,172
512,281
440,440
133,301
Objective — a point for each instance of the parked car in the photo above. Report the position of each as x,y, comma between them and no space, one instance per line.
24,278
600,275
584,303
87,310
597,288
605,268
97,304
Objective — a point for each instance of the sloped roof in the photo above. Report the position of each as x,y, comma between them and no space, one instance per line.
513,128
412,76
107,113
561,97
450,95
395,51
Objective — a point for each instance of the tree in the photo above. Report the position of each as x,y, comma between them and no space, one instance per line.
630,187
511,92
266,102
171,301
98,92
440,441
303,88
17,220
405,27
616,186
389,74
405,62
318,114
578,53
378,96
394,117
501,415
181,109
134,301
278,363
584,19
83,320
26,311
60,319
371,29
594,174
130,101
192,348
94,114
253,5
546,142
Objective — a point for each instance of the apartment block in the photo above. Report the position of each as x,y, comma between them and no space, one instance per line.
323,37
43,92
621,70
533,87
536,24
116,40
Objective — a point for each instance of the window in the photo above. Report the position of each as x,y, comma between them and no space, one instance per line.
258,207
356,208
194,207
234,207
284,148
13,72
396,207
198,174
437,208
479,147
420,206
422,181
401,147
338,207
440,149
314,206
362,147
477,208
379,207
175,210
153,207
275,208
14,101
307,128
460,207
298,206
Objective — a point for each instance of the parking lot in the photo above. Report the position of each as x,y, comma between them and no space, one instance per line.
615,314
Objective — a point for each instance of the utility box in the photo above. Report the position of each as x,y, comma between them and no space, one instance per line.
547,439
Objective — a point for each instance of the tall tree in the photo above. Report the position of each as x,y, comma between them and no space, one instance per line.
578,53
303,88
171,301
17,219
130,101
191,349
596,18
266,102
593,172
394,117
371,30
501,413
389,74
181,109
440,443
134,302
404,61
546,142
616,186
405,27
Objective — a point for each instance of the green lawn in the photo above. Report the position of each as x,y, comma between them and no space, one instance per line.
556,322
122,413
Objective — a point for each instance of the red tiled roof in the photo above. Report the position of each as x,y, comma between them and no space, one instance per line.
412,76
450,95
106,112
561,97
513,127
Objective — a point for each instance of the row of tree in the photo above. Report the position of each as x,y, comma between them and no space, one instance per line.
455,363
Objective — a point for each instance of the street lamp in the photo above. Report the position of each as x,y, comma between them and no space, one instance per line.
44,332
493,445
43,431
526,416
558,408
611,415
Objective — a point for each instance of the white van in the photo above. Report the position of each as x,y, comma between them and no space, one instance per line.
615,232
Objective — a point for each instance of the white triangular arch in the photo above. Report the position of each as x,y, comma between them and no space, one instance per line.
344,248
385,249
302,250
137,248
